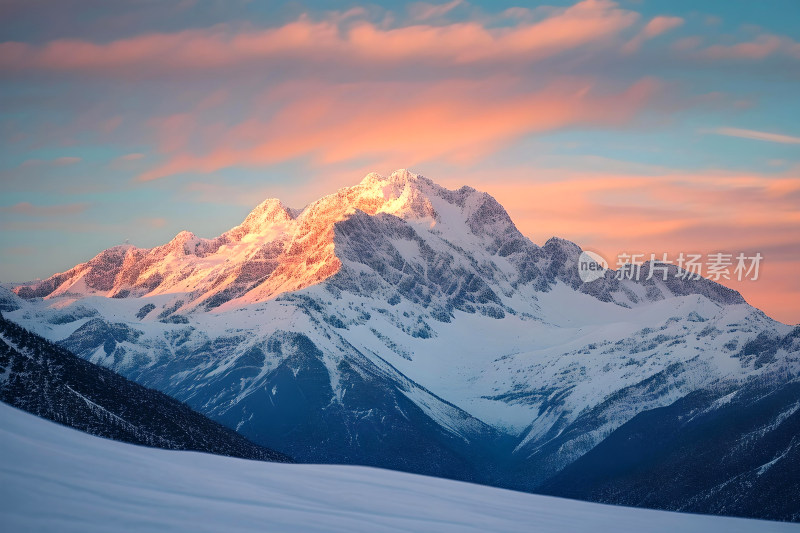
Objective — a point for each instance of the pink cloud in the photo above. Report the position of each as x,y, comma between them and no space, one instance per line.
687,44
131,157
20,250
654,28
759,48
59,162
110,125
26,208
660,25
758,135
457,121
426,11
153,222
63,161
126,161
338,40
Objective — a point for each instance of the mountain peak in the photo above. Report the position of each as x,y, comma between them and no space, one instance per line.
402,193
399,177
266,215
393,185
184,243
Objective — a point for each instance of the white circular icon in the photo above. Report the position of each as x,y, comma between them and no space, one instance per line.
591,266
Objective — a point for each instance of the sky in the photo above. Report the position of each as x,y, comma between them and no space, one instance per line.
647,126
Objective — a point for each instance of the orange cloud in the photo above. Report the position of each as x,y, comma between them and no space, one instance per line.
337,40
458,121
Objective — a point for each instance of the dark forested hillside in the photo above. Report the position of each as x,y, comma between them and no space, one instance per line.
49,381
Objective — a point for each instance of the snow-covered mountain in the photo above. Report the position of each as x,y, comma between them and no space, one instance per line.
46,380
400,324
53,478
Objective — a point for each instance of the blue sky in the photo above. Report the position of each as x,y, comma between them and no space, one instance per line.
651,125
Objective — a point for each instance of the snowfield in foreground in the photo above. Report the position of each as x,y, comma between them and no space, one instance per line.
53,478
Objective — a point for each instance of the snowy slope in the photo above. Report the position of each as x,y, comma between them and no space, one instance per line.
58,479
400,324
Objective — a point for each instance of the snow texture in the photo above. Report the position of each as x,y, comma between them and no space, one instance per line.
57,479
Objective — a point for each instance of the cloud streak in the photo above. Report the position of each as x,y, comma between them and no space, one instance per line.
654,28
757,135
456,121
761,47
28,209
425,11
58,162
335,40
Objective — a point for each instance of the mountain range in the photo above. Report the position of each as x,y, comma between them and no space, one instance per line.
400,324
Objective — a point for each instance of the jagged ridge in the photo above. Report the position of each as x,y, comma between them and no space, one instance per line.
277,249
